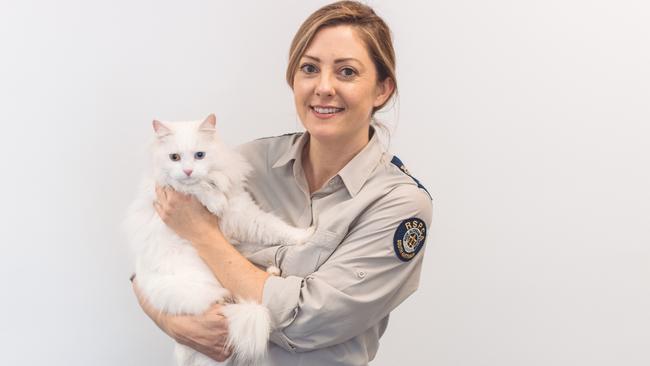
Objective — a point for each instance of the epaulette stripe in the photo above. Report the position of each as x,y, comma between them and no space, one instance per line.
398,163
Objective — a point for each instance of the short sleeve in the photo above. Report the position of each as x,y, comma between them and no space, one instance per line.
364,279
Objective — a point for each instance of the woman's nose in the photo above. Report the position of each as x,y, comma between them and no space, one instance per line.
325,87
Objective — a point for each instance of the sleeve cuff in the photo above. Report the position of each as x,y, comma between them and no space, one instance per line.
280,296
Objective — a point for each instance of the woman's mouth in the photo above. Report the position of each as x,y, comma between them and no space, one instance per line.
325,112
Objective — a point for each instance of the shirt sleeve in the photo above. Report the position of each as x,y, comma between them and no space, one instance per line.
363,280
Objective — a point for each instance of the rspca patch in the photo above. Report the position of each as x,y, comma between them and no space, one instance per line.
409,238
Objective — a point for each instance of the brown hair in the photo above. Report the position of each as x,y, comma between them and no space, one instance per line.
371,28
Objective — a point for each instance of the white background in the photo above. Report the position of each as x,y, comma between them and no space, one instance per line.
528,121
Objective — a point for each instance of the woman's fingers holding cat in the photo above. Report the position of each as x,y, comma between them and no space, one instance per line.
159,201
206,333
160,192
185,215
168,197
161,195
217,328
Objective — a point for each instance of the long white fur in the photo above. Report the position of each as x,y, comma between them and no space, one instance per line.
170,273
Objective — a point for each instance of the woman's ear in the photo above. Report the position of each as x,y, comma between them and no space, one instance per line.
384,91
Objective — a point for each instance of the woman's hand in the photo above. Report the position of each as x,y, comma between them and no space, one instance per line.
186,215
206,333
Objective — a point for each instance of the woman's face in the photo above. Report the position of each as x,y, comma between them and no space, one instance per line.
336,88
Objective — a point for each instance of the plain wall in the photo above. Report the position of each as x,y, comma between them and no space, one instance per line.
528,121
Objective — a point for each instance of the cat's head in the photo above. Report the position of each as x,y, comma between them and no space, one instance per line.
186,152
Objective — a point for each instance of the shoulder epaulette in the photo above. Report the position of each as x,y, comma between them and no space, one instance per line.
398,163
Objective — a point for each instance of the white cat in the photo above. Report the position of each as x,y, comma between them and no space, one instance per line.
189,157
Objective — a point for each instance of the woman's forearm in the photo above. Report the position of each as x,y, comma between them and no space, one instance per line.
233,270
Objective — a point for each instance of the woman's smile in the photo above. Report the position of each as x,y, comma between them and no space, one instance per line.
326,112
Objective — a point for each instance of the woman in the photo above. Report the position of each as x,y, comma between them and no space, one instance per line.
332,302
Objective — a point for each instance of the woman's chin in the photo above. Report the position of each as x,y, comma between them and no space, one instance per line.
325,133
335,132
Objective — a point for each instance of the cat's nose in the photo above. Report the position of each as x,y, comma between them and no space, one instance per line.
188,172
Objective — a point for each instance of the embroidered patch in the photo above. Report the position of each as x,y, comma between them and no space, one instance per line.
409,238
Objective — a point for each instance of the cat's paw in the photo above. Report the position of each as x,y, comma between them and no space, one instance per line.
298,236
273,270
305,234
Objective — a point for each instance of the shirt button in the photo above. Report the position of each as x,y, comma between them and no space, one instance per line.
361,274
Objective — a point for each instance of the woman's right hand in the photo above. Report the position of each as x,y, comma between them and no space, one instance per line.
206,333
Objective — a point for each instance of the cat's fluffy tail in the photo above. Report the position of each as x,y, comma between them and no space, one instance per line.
249,326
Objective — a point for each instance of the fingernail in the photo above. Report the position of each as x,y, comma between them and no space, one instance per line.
132,277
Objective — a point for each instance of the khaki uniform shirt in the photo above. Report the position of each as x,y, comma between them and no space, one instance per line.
331,304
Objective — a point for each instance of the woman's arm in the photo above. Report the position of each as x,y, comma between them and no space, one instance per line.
192,221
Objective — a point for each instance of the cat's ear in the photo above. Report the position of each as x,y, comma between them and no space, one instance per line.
161,129
209,123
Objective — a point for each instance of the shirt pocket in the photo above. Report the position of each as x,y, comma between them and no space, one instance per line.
302,260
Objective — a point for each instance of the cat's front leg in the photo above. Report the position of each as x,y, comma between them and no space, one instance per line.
247,222
214,200
291,235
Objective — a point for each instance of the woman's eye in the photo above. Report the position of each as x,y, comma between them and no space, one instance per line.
308,68
199,155
348,71
174,157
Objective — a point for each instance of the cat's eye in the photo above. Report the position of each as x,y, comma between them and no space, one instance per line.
199,155
174,157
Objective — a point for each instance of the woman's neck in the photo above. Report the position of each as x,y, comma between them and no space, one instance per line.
321,161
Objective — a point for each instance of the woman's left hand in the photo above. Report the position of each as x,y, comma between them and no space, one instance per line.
206,333
185,215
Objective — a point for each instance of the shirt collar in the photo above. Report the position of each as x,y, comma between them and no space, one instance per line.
355,173
294,152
